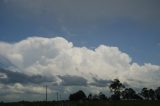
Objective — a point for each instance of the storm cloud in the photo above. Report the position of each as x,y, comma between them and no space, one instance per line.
100,82
58,62
68,80
60,59
10,77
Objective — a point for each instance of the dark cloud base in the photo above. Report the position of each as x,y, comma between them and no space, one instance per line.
17,77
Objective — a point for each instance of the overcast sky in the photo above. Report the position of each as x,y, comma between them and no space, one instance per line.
77,44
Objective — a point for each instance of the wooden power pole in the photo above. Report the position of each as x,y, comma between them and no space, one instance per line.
46,93
57,96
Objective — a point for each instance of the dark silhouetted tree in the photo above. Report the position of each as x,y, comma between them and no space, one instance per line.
102,96
116,87
145,93
128,94
138,97
157,93
115,96
90,97
151,94
80,95
95,97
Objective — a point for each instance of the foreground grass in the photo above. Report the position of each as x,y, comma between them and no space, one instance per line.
86,103
121,103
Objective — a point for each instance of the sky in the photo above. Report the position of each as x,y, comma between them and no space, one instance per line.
77,44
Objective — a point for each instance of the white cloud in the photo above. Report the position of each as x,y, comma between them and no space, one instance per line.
53,57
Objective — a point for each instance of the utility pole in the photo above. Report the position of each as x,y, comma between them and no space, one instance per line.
46,93
57,96
60,97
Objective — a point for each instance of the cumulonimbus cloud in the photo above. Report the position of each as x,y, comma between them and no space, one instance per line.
59,59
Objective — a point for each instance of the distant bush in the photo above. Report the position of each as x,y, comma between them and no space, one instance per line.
80,95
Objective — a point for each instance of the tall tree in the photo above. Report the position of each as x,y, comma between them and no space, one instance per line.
151,94
129,94
145,93
116,87
157,93
90,97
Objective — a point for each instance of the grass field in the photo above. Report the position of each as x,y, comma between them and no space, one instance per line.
86,103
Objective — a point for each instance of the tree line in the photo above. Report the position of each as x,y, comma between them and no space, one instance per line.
120,92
